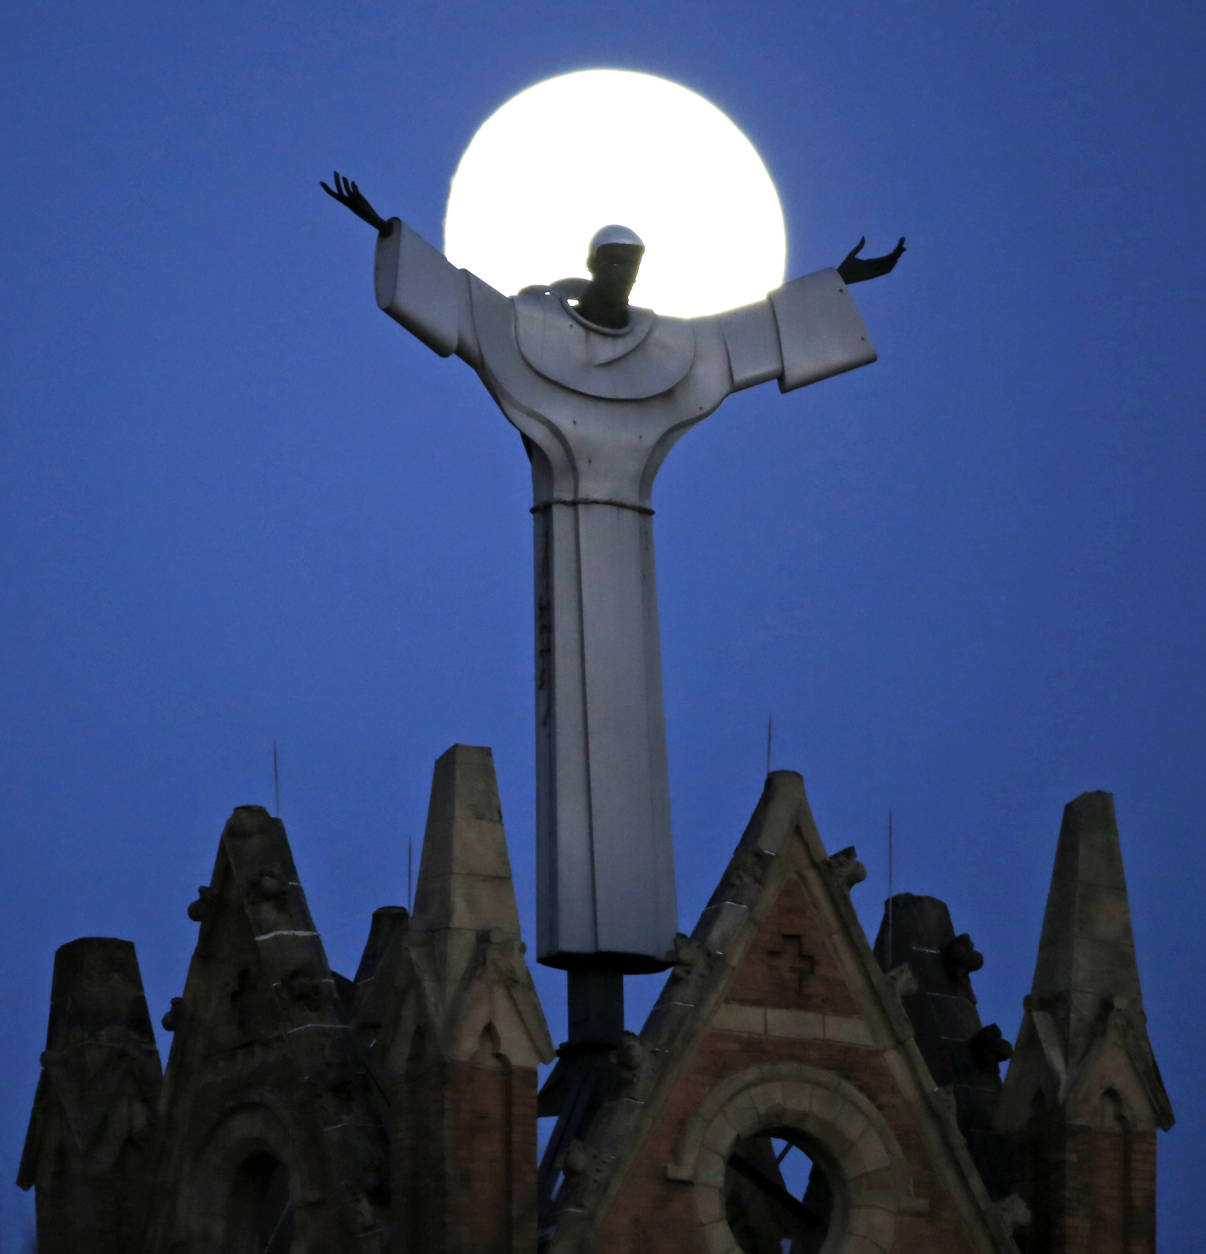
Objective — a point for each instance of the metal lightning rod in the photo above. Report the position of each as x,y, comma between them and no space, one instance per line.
891,953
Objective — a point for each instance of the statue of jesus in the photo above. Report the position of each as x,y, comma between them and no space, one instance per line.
600,392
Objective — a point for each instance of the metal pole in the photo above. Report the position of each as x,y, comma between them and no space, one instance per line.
891,953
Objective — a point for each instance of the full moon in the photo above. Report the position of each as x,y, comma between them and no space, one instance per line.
574,153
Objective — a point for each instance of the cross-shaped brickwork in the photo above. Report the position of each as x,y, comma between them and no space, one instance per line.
798,963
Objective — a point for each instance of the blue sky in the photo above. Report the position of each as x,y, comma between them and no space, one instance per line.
242,506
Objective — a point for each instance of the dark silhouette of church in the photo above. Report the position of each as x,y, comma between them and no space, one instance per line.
794,1088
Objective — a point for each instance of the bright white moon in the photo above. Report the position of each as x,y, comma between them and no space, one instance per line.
574,153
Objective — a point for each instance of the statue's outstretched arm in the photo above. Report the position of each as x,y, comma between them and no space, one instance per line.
856,269
347,193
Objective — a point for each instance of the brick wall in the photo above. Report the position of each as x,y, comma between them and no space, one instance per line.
789,1001
467,1166
1092,1191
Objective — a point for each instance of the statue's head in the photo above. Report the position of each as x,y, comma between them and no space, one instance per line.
614,259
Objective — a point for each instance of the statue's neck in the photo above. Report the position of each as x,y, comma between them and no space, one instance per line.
594,307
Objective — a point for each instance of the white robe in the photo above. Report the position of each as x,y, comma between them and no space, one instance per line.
599,410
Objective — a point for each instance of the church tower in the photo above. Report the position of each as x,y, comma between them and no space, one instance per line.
1083,1097
454,1032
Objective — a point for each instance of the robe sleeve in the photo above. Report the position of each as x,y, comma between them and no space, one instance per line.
821,332
806,330
418,287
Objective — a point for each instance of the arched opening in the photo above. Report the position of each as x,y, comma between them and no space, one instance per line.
259,1213
778,1199
1113,1112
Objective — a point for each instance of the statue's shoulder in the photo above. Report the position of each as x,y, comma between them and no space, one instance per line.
645,359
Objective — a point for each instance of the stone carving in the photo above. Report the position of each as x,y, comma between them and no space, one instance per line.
200,909
989,1048
635,1060
846,866
961,957
174,1016
686,954
903,980
585,1162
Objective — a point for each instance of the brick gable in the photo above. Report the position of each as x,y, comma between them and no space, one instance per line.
776,1023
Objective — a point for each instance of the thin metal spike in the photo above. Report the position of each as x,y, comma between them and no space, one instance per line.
276,779
769,723
891,953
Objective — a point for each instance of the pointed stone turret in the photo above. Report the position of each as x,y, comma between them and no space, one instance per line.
931,967
271,1130
464,873
88,1149
1083,1093
460,1031
464,933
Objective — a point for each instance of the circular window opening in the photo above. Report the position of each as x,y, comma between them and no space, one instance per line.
778,1199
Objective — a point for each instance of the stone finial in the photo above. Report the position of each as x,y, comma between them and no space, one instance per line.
1086,950
97,994
463,938
464,873
388,924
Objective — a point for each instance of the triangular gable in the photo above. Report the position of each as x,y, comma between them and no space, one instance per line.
410,995
775,1019
1120,1061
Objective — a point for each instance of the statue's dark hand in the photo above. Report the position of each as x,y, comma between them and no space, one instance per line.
856,269
347,193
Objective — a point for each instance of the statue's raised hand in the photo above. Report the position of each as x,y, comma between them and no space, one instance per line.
856,269
347,193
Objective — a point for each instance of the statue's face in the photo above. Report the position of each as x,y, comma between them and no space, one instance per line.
614,268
